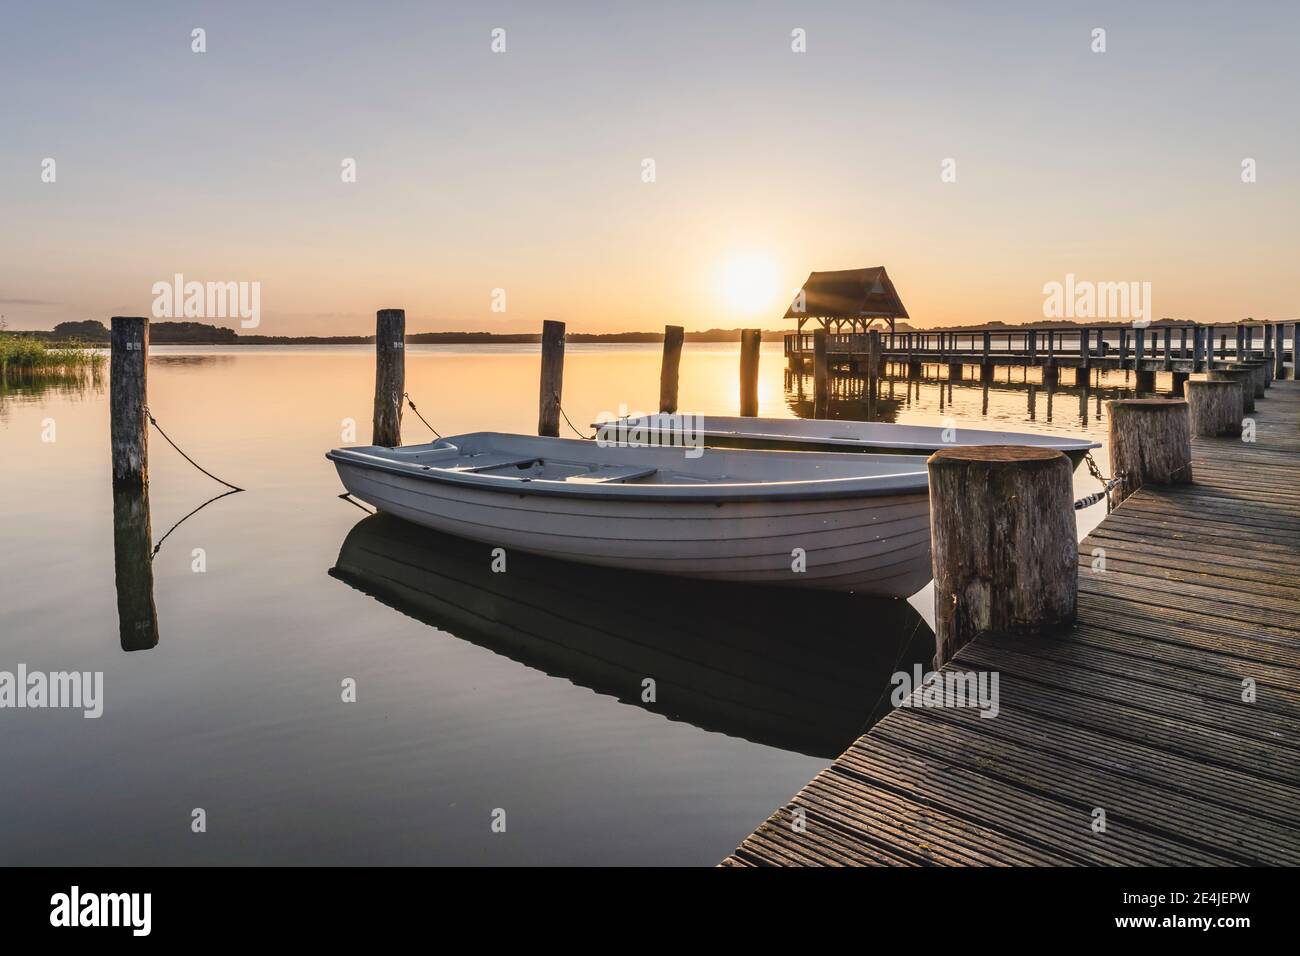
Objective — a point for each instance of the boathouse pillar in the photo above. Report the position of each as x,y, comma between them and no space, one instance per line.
1003,545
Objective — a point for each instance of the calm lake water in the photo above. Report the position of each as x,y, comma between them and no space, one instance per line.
475,692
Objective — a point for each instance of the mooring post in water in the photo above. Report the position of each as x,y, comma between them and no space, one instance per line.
821,374
750,342
128,395
552,382
1150,444
1214,407
137,616
673,336
390,376
1003,544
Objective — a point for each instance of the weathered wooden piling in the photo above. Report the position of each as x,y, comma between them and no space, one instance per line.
1214,407
1257,381
1279,352
137,616
128,427
1243,377
1002,543
821,374
1144,380
552,379
390,377
751,341
1150,444
668,371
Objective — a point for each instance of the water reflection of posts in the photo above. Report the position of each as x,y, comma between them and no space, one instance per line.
133,568
821,374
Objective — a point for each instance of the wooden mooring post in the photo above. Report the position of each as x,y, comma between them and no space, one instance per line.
552,379
1214,407
1243,377
390,377
1002,542
1150,444
821,374
674,335
751,341
128,427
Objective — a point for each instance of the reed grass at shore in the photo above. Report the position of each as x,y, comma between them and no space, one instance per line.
28,354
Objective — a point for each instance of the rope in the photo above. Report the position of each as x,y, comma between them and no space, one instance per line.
407,396
1108,484
590,437
153,421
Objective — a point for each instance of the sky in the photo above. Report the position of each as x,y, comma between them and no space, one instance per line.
525,170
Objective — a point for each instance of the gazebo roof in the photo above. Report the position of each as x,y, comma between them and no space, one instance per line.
848,294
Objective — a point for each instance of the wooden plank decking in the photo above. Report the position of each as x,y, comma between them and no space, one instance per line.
1137,711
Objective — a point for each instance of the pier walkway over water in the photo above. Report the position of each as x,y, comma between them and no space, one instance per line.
1137,712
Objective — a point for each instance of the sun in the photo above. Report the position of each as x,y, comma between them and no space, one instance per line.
749,283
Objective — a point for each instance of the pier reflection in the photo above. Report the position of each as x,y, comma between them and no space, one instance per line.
851,397
801,671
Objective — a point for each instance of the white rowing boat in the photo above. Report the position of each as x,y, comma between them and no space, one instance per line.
806,434
831,521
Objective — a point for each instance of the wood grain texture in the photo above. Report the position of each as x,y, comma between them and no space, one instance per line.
1214,407
551,386
668,370
128,395
1002,543
1150,444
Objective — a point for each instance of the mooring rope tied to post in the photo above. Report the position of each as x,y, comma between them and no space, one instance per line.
1108,485
158,547
565,416
407,396
154,422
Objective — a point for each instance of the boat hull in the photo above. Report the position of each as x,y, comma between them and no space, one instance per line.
876,544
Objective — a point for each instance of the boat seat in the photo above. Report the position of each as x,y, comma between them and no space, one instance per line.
601,476
485,462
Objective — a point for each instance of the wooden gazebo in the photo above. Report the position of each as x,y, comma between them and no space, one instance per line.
848,297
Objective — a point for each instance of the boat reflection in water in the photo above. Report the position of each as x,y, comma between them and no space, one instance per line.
806,672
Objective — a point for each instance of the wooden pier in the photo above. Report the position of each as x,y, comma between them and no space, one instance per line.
1138,711
1180,348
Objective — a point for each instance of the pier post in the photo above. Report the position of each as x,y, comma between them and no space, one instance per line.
1243,377
1256,370
1085,355
128,395
1199,338
674,335
1279,354
552,379
390,377
1268,356
1214,407
1144,380
821,374
1003,545
750,342
1150,444
1179,378
954,371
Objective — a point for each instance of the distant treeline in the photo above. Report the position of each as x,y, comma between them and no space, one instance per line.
92,331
